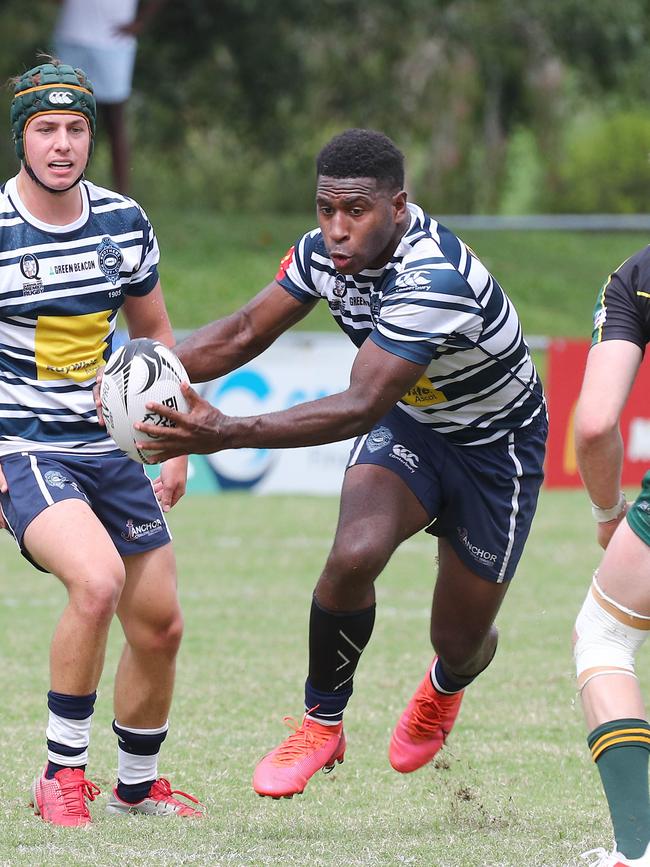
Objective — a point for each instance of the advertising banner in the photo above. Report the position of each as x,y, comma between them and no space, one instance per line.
565,369
298,367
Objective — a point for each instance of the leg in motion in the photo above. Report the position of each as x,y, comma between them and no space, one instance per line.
489,496
465,639
153,625
378,512
612,625
86,562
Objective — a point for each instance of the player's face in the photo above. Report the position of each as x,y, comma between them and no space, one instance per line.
361,222
56,147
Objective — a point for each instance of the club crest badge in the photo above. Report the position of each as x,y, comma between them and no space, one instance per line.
378,438
339,286
110,259
375,306
56,479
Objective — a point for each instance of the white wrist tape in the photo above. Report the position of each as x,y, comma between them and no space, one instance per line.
603,515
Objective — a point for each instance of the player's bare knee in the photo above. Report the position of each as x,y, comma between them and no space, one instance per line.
355,559
161,637
607,637
171,636
97,599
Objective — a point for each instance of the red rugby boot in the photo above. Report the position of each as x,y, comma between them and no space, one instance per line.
62,799
284,771
423,727
159,802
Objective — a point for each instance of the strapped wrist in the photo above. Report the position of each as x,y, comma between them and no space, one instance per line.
604,515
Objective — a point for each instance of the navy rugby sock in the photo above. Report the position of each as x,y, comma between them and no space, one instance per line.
68,731
446,683
336,642
137,760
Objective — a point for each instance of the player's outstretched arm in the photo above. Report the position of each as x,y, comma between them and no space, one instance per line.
609,375
377,381
225,344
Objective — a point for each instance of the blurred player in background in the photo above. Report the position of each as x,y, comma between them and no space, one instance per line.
100,36
451,425
615,617
73,255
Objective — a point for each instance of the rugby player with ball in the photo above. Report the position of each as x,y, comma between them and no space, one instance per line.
451,423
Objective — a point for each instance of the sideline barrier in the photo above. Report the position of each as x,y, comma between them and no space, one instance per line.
565,369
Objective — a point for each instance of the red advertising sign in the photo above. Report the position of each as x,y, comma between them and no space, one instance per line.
566,365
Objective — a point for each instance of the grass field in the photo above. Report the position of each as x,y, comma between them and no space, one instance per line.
213,263
514,785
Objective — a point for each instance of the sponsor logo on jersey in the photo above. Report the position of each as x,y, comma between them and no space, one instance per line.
600,317
423,393
413,280
478,553
286,260
405,456
134,531
110,259
86,368
60,97
339,286
378,438
70,347
72,267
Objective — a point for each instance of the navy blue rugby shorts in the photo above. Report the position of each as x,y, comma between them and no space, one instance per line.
480,498
116,488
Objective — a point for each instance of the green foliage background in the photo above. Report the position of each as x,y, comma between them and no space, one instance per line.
499,107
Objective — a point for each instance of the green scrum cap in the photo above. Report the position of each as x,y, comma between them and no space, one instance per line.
50,87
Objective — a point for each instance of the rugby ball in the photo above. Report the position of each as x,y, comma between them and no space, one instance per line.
140,372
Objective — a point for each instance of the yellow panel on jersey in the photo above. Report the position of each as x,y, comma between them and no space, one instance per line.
70,347
423,393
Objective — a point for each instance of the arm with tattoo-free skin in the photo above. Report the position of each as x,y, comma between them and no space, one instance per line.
377,381
609,375
227,343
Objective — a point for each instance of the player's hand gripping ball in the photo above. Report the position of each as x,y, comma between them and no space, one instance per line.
140,372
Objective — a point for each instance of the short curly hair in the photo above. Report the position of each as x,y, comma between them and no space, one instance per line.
362,153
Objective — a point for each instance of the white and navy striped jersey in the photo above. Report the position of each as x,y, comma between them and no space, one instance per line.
60,291
434,303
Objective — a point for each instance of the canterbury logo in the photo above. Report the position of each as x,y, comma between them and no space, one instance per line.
409,458
60,97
